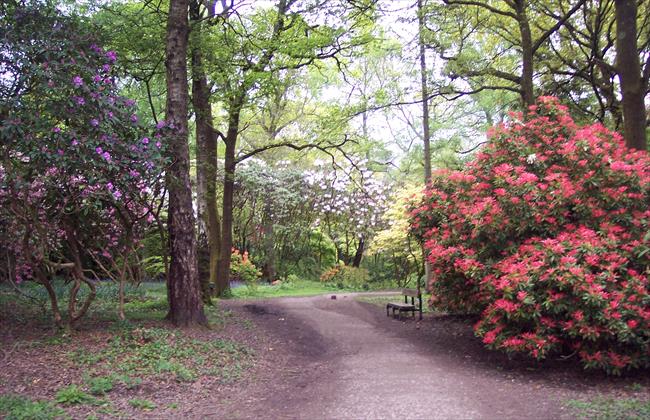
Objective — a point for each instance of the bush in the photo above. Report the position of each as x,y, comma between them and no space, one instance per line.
243,269
343,276
545,234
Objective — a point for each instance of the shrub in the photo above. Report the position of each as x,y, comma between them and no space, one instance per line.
545,234
243,269
343,276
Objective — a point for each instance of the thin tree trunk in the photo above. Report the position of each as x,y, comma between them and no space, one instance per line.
269,244
426,139
79,278
209,230
223,265
184,292
527,92
356,262
629,71
56,313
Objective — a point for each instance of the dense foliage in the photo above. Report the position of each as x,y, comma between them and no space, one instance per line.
545,235
302,222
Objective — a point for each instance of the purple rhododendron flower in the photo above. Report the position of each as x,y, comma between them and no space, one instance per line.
77,81
158,144
134,118
99,150
80,100
74,142
106,68
112,56
145,140
106,156
97,78
56,129
94,122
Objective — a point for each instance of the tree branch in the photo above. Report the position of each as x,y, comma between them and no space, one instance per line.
290,145
557,25
483,5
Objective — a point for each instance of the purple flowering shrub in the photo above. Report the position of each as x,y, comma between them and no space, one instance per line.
78,175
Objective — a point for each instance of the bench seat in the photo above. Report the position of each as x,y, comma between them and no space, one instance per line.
400,307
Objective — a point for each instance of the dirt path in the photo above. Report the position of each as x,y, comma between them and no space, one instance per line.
345,359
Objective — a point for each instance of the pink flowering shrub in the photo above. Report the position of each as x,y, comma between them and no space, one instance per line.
546,236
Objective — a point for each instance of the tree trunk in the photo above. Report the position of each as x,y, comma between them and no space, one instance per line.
269,244
183,288
223,265
209,229
527,92
629,72
356,262
79,277
425,114
426,139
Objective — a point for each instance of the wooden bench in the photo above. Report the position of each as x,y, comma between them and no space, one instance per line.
406,306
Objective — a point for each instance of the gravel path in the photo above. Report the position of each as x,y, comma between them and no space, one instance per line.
349,361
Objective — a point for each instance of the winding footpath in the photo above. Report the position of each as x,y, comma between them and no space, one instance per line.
352,362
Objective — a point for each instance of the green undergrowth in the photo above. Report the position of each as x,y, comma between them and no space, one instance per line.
29,302
603,408
16,407
161,354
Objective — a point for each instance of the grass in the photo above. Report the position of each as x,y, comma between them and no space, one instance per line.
611,408
294,288
15,407
285,289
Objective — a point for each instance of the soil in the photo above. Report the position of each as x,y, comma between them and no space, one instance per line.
318,357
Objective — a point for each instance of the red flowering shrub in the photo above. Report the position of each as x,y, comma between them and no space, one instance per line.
545,234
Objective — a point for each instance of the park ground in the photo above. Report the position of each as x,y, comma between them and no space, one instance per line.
332,354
